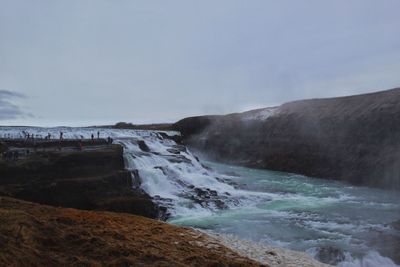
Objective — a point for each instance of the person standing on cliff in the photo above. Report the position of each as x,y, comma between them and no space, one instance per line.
109,140
98,134
61,136
92,137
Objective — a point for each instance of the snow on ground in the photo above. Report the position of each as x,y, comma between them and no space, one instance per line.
259,114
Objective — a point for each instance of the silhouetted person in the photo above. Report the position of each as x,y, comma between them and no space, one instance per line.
109,140
16,155
61,135
7,155
92,137
98,135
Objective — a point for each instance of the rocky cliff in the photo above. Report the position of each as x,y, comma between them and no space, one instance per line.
354,138
93,178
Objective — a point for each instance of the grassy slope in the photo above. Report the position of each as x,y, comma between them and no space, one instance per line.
38,235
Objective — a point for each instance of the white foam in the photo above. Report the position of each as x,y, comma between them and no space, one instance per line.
177,180
372,259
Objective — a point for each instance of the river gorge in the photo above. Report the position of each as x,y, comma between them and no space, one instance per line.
335,222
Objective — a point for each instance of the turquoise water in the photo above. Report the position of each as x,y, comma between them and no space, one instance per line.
276,208
304,214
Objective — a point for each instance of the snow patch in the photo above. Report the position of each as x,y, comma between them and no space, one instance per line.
259,114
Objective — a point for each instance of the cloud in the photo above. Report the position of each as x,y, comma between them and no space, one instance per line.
159,61
8,108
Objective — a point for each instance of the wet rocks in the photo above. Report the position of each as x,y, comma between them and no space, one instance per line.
136,180
177,159
180,148
329,255
173,151
205,197
176,138
208,198
143,146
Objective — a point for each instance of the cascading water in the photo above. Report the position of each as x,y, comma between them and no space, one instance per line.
167,171
176,179
333,221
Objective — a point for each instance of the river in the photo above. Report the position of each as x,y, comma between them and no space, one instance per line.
333,221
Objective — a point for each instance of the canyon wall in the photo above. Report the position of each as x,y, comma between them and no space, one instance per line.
354,138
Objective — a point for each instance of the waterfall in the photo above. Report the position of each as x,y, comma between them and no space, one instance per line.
176,179
331,220
164,169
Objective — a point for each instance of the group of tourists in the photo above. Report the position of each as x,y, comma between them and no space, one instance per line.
8,136
92,136
35,140
98,135
30,136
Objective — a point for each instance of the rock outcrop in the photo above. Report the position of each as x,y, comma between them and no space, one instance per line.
355,138
93,179
272,256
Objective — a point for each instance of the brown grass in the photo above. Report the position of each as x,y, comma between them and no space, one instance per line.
38,235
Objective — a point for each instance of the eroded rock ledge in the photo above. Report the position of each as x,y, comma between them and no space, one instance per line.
93,178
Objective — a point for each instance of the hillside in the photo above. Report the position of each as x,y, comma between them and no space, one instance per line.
36,235
354,138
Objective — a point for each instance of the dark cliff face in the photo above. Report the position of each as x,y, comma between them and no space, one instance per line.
92,179
354,138
195,125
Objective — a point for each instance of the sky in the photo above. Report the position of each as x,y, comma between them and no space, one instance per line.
87,62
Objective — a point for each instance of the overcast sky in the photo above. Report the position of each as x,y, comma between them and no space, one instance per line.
97,62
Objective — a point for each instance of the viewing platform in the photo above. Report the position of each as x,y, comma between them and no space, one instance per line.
18,148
